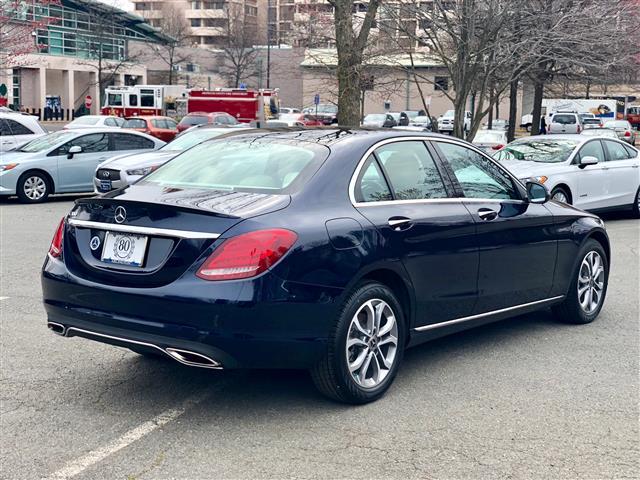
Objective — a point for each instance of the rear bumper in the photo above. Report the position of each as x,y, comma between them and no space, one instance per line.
262,323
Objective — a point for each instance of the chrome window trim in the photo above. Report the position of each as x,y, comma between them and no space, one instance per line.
370,150
161,232
447,323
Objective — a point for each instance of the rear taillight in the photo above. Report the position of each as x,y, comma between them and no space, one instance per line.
247,255
55,250
498,147
627,134
579,129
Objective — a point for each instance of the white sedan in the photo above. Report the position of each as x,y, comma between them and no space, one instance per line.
93,121
592,173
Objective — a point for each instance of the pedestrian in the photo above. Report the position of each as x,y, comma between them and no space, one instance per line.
543,125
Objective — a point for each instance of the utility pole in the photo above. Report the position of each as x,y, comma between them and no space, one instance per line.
268,42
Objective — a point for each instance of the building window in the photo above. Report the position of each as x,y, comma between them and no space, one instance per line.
195,5
196,22
215,22
441,83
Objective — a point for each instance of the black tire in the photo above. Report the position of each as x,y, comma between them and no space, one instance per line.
331,375
564,192
33,187
570,311
636,205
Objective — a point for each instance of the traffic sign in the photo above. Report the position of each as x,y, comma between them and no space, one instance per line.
316,99
88,101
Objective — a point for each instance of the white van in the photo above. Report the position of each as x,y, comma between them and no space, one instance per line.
17,129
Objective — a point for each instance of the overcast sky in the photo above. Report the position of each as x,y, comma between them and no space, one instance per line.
123,4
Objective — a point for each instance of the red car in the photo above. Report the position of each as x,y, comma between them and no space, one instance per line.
164,128
300,120
201,118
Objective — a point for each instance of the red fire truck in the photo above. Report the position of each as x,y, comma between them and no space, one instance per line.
140,99
246,105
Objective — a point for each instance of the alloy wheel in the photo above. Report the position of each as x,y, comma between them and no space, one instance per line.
34,187
560,196
372,343
591,282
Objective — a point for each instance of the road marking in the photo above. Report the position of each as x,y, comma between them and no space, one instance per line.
3,298
74,467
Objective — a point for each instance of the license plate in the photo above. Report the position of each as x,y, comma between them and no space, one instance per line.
105,186
124,249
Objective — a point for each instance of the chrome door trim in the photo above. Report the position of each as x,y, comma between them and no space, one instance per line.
160,232
486,314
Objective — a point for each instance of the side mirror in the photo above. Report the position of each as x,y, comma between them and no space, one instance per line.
537,193
74,150
588,160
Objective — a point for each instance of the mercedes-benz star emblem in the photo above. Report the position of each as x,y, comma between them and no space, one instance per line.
106,174
94,244
121,215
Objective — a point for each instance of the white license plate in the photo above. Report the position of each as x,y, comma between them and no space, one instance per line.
124,249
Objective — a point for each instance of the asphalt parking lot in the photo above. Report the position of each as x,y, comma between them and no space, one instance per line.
524,398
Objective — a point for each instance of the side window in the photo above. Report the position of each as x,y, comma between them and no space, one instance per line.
593,149
616,151
128,141
478,176
411,171
4,128
171,124
371,185
17,128
92,143
133,100
633,153
147,98
157,123
110,122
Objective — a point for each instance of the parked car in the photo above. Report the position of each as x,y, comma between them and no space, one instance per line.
623,129
164,128
564,122
65,161
497,124
17,129
299,120
327,113
124,170
599,132
288,110
591,123
220,119
421,121
586,116
379,120
446,121
590,173
294,250
490,141
401,118
92,121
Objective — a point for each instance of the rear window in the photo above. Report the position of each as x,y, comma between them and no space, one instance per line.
85,121
543,151
194,120
248,165
135,123
564,119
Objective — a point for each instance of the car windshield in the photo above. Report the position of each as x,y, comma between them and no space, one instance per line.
135,123
85,121
194,137
326,109
449,114
421,119
247,164
591,121
194,120
43,143
618,124
375,117
540,150
564,119
489,137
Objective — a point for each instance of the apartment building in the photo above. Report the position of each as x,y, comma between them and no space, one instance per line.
209,19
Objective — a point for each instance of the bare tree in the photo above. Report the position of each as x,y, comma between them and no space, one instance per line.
239,59
351,42
174,26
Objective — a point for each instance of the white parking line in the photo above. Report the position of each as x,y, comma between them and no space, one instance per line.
74,467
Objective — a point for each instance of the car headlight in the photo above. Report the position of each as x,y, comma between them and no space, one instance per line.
141,171
540,179
8,166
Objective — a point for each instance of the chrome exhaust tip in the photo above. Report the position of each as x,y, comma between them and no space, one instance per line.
192,359
57,328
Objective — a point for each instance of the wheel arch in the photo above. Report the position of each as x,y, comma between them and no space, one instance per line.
601,237
46,174
564,186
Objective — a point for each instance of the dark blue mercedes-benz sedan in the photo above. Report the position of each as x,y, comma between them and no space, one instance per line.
332,250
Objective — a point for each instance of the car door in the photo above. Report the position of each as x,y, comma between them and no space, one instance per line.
592,180
516,239
623,172
75,171
402,191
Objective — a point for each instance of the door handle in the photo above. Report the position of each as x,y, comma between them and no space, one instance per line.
487,214
399,223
